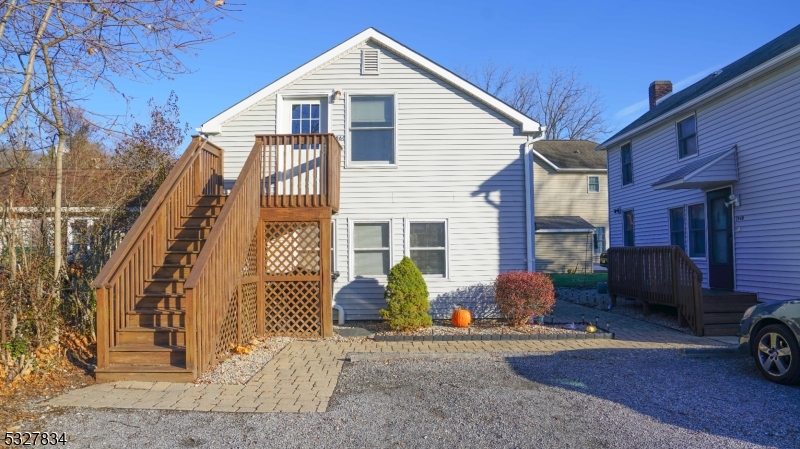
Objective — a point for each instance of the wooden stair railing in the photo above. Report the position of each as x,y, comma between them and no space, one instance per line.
125,276
215,282
658,275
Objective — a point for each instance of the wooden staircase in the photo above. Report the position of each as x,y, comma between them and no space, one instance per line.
723,310
153,344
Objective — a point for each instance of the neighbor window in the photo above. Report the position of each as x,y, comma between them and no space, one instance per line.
594,184
627,164
697,230
428,247
599,240
687,137
371,249
372,129
627,227
677,233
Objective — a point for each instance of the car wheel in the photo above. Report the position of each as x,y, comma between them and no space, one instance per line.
777,354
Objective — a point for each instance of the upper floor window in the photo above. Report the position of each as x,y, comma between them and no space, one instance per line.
687,137
627,228
677,227
372,129
594,184
627,164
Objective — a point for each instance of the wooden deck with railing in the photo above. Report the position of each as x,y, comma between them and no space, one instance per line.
665,275
201,272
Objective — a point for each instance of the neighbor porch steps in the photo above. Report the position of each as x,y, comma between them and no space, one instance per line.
152,344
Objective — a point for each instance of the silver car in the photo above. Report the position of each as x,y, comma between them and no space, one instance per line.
770,332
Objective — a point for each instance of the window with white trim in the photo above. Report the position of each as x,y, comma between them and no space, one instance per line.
677,227
599,240
372,127
697,230
687,137
371,254
428,247
594,184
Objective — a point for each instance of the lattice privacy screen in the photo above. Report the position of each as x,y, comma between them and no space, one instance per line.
292,273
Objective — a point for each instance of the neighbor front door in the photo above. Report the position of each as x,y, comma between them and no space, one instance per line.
720,240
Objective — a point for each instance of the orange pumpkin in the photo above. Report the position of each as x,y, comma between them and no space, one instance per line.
461,318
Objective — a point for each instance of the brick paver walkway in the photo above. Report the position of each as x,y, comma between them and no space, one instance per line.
302,377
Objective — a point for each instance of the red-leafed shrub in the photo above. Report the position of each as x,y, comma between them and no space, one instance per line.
521,295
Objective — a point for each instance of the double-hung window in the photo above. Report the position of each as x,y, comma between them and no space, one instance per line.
677,226
371,252
428,247
627,164
697,230
372,126
594,184
627,228
687,137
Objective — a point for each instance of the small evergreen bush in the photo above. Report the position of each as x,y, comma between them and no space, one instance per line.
522,294
406,298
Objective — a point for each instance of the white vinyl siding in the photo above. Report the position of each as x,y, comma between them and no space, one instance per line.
763,121
557,252
457,159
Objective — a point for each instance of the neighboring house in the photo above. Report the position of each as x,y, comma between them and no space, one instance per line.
570,205
433,168
712,169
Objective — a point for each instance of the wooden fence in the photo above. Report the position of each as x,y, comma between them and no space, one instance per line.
658,275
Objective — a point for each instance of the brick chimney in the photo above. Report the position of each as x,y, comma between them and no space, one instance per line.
657,90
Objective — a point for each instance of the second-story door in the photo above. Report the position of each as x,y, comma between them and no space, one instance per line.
298,167
304,115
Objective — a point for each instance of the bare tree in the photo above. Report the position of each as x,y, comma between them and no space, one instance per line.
52,52
560,100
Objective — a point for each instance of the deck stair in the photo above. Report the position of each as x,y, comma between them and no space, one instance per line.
153,344
723,310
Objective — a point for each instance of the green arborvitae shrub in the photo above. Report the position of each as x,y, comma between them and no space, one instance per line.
406,298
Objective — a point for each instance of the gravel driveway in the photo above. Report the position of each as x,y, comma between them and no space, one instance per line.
580,399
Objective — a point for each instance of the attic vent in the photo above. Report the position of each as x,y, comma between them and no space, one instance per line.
369,61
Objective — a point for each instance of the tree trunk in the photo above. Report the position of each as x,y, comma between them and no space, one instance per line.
57,251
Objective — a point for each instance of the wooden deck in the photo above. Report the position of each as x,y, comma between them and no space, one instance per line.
665,275
201,272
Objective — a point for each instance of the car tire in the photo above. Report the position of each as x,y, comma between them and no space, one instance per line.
777,354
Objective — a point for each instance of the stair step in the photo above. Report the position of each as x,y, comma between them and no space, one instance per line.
720,329
719,307
143,354
148,317
211,200
154,373
172,271
196,222
181,257
161,302
174,336
184,244
192,232
164,285
205,211
722,318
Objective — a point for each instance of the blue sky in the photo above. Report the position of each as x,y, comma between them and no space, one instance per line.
619,46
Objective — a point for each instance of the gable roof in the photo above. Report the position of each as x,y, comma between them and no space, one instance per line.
527,124
570,154
786,45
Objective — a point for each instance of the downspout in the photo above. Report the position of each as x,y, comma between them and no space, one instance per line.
529,201
341,313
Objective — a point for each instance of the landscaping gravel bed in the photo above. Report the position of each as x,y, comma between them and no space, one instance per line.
478,327
661,315
579,399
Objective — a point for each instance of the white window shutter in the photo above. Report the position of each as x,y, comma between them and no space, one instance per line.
370,61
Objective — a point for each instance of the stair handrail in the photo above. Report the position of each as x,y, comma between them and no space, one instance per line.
689,294
197,172
218,269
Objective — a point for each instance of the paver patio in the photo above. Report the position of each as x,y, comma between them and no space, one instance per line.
302,377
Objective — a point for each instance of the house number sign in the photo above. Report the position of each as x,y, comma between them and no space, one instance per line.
739,218
340,138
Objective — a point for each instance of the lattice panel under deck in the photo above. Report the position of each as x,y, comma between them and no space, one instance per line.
249,312
293,309
227,335
292,249
250,267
